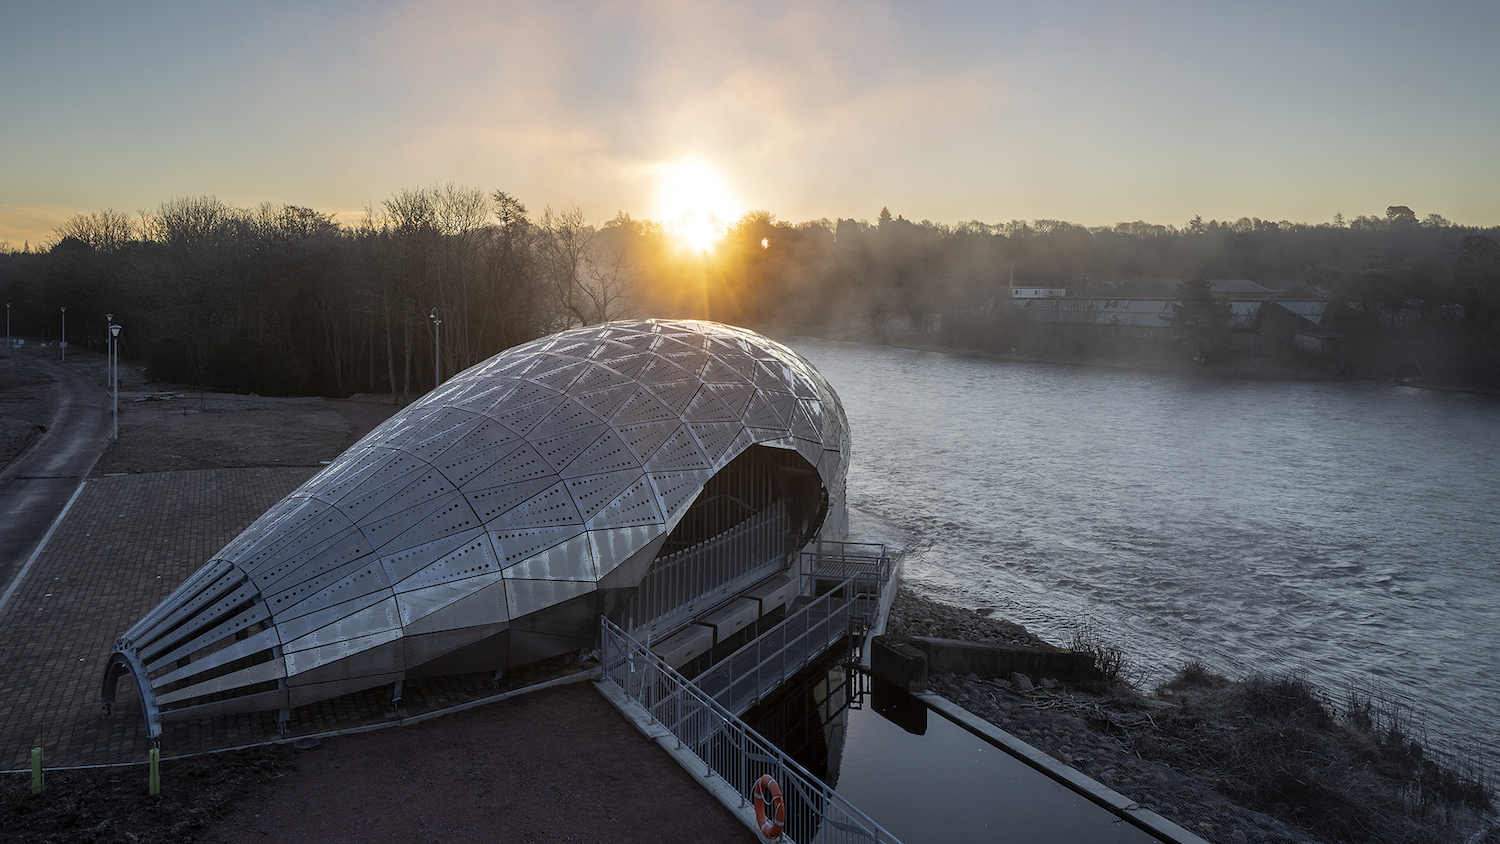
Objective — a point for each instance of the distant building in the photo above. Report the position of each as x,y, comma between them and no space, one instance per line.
1241,288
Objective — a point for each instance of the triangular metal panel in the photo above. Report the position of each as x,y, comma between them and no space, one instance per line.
598,377
811,452
440,431
592,492
568,416
608,453
659,371
642,341
296,535
630,366
774,376
706,407
679,453
474,558
641,408
736,397
718,371
480,449
608,348
401,563
570,560
348,471
559,377
297,627
523,419
382,530
355,632
423,485
613,547
454,606
521,464
606,403
490,503
762,414
786,407
564,448
551,507
804,427
455,516
529,596
343,582
517,394
716,439
692,361
676,395
635,507
644,440
377,485
675,490
481,394
513,546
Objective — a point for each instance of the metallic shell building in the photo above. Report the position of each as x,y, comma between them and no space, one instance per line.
491,523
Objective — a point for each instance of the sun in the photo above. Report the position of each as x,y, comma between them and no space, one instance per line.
694,201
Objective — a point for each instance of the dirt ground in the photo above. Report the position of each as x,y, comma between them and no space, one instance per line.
28,398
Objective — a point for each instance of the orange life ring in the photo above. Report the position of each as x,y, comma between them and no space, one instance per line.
773,822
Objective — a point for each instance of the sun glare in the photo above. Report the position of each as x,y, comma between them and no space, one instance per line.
694,201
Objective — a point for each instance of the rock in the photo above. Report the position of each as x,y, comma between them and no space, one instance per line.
1020,682
1239,836
1049,683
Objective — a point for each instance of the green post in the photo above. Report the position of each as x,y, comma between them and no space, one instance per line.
155,771
36,770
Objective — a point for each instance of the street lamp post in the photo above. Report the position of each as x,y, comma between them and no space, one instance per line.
109,351
65,334
114,374
10,345
437,349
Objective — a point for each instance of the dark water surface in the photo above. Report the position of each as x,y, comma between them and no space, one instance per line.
1346,530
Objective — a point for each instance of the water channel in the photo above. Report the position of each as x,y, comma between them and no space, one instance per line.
1344,530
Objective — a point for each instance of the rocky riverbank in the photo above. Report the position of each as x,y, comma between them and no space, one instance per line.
1255,760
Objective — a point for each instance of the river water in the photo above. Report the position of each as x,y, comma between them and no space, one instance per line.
1346,531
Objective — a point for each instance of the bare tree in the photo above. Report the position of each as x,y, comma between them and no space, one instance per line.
590,277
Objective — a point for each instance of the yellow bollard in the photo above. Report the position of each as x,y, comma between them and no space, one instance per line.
155,771
36,770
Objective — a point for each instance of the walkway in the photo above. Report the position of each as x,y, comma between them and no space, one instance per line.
34,489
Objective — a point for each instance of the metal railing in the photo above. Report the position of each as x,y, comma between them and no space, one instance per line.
839,561
681,582
728,748
747,676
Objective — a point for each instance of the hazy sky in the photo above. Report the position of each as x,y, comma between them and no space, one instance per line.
1093,112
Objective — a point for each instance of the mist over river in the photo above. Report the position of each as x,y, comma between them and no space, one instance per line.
1349,531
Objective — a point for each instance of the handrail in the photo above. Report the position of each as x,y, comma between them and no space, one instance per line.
679,582
745,677
728,747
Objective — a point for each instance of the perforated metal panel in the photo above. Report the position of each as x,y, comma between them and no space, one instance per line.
509,490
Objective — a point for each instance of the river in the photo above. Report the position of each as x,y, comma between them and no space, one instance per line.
1348,531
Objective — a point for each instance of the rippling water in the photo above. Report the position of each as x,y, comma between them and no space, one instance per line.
1346,530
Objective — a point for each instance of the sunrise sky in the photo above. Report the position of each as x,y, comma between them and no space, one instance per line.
1093,112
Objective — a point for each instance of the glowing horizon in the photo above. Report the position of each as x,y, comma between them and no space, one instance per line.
1086,112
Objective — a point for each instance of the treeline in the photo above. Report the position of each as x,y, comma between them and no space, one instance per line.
284,299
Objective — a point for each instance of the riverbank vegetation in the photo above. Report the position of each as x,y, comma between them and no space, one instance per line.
287,300
1271,758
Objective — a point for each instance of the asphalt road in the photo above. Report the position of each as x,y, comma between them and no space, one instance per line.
34,490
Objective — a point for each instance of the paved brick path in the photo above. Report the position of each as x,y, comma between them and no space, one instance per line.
127,543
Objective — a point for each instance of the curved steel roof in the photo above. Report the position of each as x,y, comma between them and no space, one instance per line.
514,486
